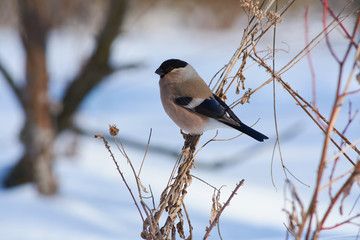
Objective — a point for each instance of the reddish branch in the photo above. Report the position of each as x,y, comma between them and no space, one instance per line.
328,9
341,191
342,223
335,110
227,203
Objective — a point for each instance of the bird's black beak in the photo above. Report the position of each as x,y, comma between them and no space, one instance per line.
160,72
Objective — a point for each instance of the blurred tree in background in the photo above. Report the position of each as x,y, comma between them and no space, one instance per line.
36,19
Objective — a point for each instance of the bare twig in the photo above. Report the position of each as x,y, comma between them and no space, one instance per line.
298,99
121,174
147,148
334,113
341,191
16,89
311,65
216,219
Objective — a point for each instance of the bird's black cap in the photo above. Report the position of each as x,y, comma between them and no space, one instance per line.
169,65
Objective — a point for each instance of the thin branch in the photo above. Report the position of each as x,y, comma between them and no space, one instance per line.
277,142
296,97
227,203
334,114
325,10
341,191
188,220
342,223
336,18
333,180
203,181
17,90
311,65
121,174
147,148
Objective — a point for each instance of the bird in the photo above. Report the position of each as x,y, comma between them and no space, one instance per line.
191,104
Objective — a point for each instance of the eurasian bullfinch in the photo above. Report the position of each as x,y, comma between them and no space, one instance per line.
189,102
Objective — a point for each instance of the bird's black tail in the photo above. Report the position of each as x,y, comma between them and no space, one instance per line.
250,132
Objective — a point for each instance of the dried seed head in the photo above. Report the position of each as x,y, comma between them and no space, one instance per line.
273,17
113,130
98,136
252,8
237,90
144,235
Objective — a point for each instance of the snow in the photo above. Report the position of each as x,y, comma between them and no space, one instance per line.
93,202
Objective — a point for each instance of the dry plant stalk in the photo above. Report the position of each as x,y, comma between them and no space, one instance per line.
302,223
260,21
301,218
172,198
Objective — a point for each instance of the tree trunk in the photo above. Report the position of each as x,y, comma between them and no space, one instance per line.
38,133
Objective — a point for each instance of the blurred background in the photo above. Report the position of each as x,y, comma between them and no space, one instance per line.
69,68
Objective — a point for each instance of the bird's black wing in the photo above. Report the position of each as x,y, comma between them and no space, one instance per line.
239,125
214,107
211,107
228,110
183,101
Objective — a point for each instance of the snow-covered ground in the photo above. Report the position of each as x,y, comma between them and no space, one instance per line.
93,202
